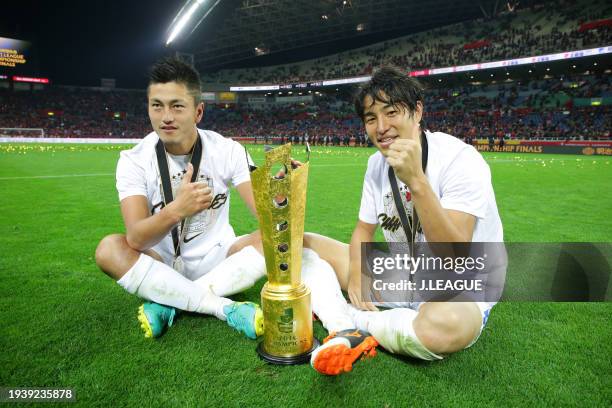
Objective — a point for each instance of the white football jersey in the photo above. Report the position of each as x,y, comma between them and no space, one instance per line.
224,163
458,175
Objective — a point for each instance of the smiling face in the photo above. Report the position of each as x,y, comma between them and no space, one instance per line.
385,122
174,115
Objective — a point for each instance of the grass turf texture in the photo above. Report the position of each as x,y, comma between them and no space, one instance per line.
65,324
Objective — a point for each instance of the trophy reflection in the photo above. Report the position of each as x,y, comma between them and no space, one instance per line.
280,198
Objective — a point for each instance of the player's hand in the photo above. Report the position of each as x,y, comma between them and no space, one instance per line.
354,292
404,155
191,198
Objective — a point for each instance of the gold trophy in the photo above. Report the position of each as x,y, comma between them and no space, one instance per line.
285,300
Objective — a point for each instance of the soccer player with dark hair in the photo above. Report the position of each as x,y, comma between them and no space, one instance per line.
174,188
447,184
180,251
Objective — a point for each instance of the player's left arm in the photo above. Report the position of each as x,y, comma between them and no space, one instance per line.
440,224
245,190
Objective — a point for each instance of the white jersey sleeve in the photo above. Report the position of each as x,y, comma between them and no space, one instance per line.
367,210
131,179
239,165
465,183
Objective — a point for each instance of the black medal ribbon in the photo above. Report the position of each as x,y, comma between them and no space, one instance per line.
409,229
162,164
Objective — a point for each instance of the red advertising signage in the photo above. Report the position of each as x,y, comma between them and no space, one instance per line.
31,79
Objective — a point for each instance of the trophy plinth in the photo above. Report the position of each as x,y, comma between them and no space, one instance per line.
288,325
285,300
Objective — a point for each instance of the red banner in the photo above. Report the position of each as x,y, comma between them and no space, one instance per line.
30,79
422,72
591,25
476,44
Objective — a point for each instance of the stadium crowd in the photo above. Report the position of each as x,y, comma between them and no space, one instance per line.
535,30
76,112
563,108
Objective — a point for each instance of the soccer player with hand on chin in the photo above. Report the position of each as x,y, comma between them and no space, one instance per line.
443,181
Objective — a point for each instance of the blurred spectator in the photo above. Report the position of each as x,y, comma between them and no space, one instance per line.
76,112
551,108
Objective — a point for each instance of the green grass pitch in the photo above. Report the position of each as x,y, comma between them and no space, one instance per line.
65,324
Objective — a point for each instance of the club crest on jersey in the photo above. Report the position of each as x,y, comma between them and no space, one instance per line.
389,203
406,197
178,177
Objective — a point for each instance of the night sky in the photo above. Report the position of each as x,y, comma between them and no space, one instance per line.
79,42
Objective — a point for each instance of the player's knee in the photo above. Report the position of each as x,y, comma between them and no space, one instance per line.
308,240
253,239
442,330
108,249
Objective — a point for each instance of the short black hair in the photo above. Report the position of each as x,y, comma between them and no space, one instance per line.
392,86
171,69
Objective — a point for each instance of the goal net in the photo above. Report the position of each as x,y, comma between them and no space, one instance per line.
22,132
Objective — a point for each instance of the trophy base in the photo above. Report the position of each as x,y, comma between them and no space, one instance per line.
293,360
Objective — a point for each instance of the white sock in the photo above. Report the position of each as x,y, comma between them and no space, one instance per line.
235,274
393,330
155,281
327,300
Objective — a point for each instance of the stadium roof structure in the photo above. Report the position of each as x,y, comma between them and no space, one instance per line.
248,29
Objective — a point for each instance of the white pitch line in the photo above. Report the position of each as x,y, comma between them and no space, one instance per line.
57,176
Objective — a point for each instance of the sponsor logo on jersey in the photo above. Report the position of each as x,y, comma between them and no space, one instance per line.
218,201
186,240
389,223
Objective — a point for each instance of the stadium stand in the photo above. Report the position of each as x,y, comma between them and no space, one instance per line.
76,112
554,108
541,29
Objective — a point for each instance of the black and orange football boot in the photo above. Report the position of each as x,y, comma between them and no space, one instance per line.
340,350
